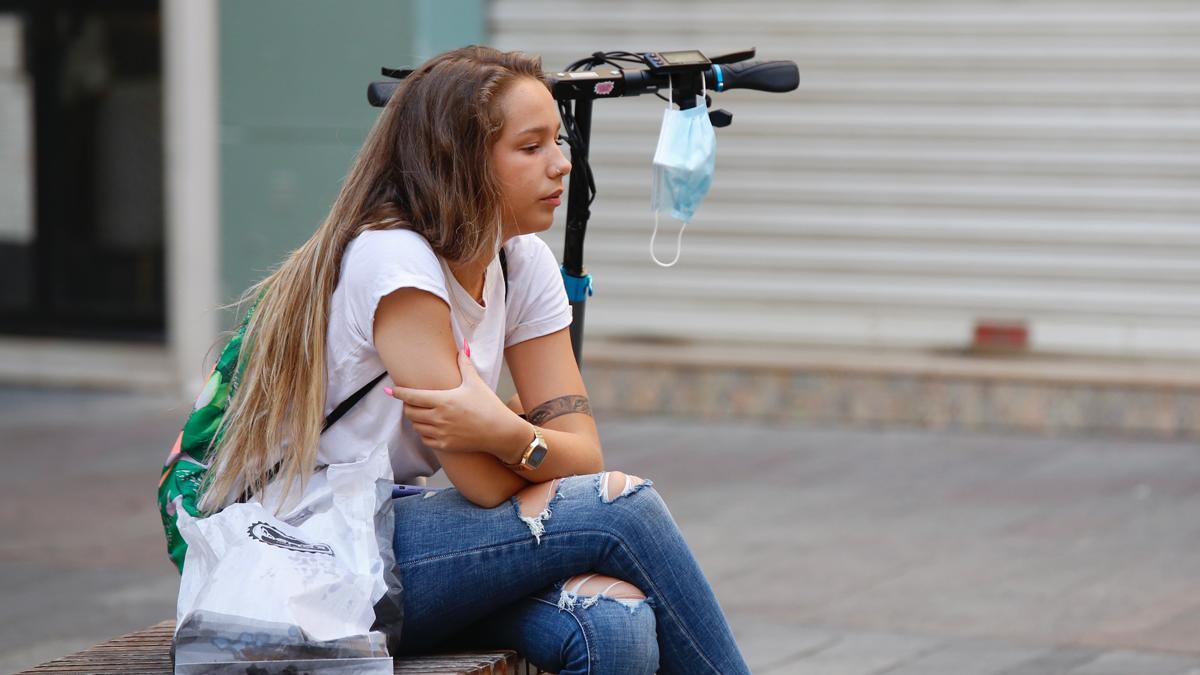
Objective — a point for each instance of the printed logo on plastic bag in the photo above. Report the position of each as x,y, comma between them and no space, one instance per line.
272,536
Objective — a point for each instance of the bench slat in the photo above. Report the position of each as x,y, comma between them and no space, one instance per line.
148,652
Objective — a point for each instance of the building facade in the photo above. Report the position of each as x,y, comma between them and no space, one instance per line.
945,168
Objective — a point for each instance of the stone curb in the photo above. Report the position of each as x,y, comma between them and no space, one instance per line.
942,392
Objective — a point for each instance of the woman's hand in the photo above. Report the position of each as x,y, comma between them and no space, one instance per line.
469,418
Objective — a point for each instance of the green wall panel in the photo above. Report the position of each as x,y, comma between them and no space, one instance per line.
293,107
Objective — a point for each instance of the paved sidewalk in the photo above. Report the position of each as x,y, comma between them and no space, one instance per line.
832,551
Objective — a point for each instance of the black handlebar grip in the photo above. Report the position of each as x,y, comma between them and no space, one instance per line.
378,93
774,76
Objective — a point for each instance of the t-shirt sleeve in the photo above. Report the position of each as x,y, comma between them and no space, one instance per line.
380,262
537,302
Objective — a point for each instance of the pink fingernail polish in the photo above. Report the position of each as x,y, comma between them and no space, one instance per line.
388,391
466,348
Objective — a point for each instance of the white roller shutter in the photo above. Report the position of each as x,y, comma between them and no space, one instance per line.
942,162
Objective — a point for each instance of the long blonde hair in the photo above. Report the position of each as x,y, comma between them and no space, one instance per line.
424,166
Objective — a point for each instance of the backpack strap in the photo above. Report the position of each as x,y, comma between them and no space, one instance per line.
504,271
334,416
345,406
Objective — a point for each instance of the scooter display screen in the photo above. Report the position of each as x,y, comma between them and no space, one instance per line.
675,61
684,58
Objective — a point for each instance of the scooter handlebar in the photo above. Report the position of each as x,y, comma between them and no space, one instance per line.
772,76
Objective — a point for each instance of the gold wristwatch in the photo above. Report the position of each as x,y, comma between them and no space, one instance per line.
535,453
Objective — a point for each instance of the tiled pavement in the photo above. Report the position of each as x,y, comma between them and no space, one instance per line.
832,551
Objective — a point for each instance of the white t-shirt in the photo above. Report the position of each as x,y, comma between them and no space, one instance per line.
379,262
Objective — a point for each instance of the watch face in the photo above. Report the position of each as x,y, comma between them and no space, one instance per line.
536,457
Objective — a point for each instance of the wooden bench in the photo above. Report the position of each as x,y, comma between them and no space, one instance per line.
148,651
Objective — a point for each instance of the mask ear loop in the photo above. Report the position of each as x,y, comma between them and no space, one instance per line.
678,244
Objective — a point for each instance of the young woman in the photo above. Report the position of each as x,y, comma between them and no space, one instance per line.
536,547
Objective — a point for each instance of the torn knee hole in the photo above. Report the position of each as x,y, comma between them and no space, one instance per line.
599,584
615,484
592,587
533,506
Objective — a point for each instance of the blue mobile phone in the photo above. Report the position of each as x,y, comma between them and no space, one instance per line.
406,490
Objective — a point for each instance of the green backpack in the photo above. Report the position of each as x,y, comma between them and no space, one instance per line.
183,472
189,459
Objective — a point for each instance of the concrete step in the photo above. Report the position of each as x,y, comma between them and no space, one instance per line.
1037,394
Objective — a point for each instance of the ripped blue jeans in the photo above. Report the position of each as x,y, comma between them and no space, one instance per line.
476,577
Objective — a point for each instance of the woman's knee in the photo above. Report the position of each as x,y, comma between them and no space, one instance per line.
618,625
629,504
611,497
609,486
612,485
594,585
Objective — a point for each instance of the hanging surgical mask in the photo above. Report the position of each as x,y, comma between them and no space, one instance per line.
683,167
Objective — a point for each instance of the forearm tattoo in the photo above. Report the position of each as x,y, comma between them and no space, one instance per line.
557,407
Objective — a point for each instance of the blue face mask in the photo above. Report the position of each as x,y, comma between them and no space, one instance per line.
683,167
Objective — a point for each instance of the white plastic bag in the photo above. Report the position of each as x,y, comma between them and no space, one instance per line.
298,588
